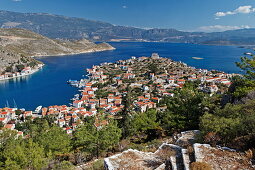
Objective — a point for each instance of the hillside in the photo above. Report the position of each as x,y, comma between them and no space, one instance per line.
18,45
56,26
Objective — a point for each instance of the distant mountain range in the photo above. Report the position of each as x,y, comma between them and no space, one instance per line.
56,26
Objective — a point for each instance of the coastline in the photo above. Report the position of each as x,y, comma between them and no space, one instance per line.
61,54
25,74
76,53
245,46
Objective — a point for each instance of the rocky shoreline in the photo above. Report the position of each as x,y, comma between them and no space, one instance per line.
77,53
18,47
40,66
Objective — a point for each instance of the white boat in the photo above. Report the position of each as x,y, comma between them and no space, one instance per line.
38,109
247,53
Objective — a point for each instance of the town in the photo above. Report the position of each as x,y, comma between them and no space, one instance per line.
24,72
142,82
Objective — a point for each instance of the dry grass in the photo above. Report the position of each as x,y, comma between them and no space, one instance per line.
200,166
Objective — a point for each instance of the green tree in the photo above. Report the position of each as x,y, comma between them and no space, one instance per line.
64,165
1,125
146,123
153,68
22,154
184,109
94,141
125,117
18,112
54,140
248,65
231,123
6,136
20,67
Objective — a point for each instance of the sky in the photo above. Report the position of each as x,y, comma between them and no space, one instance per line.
186,15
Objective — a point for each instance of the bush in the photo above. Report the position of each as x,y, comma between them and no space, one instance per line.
98,165
32,63
20,67
65,165
9,69
232,126
200,166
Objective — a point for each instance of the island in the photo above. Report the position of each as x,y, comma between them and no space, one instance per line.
197,58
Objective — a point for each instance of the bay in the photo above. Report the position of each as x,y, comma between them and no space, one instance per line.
48,86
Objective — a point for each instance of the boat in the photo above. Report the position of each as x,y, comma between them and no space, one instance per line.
247,53
38,109
76,97
74,83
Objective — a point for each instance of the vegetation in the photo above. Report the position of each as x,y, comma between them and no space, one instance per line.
101,93
94,140
183,110
228,124
248,65
98,165
233,124
20,153
20,67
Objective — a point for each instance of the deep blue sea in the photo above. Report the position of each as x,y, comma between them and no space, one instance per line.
48,86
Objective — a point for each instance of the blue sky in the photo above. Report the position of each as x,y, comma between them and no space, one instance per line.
188,15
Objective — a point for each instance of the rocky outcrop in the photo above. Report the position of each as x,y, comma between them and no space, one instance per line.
221,158
175,157
248,97
12,62
187,138
167,156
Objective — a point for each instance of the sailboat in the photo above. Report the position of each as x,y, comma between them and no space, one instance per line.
15,105
7,104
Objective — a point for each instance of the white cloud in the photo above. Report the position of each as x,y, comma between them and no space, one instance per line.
124,6
245,9
220,28
16,0
240,10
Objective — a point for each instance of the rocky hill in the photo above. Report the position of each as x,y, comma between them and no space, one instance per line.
56,26
184,154
18,45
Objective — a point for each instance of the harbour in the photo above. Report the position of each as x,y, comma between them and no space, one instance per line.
48,86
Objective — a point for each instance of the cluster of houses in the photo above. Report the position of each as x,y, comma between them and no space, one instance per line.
137,73
66,117
7,119
24,72
142,81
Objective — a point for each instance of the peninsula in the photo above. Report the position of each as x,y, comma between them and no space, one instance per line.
19,46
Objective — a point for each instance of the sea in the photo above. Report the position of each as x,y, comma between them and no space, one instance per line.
49,85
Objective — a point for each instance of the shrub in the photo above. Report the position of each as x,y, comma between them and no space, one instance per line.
98,165
65,165
20,67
